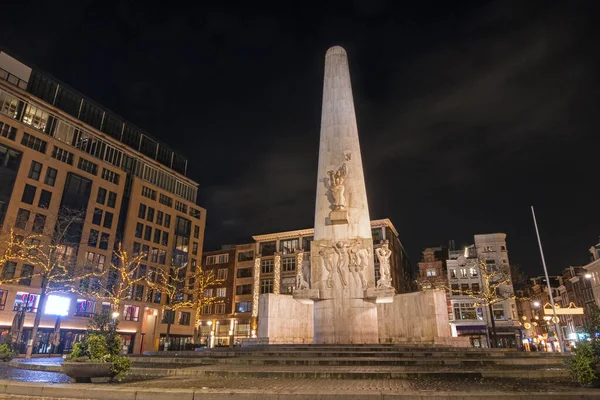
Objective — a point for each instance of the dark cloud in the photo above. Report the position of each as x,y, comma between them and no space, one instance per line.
468,112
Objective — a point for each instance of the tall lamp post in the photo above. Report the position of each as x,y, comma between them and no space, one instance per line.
555,319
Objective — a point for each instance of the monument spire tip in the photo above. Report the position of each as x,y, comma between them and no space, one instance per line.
335,50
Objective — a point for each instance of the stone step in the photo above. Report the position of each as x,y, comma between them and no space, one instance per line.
283,372
411,361
354,353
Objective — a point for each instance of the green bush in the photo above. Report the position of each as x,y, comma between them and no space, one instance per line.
583,362
7,349
101,343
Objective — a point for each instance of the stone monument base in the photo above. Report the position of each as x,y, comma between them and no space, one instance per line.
412,318
283,320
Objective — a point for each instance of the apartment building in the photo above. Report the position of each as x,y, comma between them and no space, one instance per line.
59,149
271,263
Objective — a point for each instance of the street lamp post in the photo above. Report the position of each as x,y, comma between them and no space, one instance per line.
555,319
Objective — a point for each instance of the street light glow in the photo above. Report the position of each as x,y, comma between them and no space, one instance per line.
588,276
536,304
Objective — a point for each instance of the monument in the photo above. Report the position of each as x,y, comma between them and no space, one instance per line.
336,299
343,286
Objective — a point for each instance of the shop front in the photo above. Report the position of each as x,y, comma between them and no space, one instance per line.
477,334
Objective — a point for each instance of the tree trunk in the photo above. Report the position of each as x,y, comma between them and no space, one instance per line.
167,336
494,341
38,317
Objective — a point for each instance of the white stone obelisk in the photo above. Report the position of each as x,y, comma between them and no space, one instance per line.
342,250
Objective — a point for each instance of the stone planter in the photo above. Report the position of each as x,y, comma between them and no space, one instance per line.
87,372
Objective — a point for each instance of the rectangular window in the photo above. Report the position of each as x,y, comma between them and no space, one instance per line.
465,311
112,199
266,266
84,308
152,275
288,285
195,250
146,251
26,273
28,194
139,229
22,218
139,292
35,170
27,301
222,274
498,310
50,176
455,289
148,233
267,248
194,213
97,216
162,257
87,166
166,200
8,131
221,292
179,206
104,239
243,306
475,287
34,143
45,198
101,262
431,272
266,286
3,297
108,219
110,176
62,155
131,313
464,287
157,233
244,273
289,246
208,293
93,238
196,232
101,196
157,297
149,193
306,243
243,289
474,272
206,309
154,257
452,273
288,264
35,117
159,217
167,221
217,259
184,318
246,255
165,238
150,215
8,272
168,317
463,273
219,308
142,211
39,222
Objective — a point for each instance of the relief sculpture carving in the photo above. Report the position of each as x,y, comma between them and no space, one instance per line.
336,187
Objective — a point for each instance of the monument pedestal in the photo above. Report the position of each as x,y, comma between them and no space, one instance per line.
338,217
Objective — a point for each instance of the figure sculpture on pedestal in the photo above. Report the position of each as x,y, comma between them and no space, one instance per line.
336,185
360,257
383,254
326,254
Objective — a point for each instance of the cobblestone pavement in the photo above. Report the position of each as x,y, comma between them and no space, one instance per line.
356,385
16,374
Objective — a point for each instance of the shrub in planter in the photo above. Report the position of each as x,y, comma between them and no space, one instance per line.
6,351
99,351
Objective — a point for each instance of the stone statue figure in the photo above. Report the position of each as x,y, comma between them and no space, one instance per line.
383,254
303,275
359,262
336,185
326,254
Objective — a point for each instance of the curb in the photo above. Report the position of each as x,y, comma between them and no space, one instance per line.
100,392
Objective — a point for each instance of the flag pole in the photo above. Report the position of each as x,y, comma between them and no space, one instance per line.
555,318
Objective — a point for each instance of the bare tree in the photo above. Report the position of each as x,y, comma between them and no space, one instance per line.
183,290
497,288
121,277
50,250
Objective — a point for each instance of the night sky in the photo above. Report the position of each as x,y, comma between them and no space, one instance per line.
468,112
